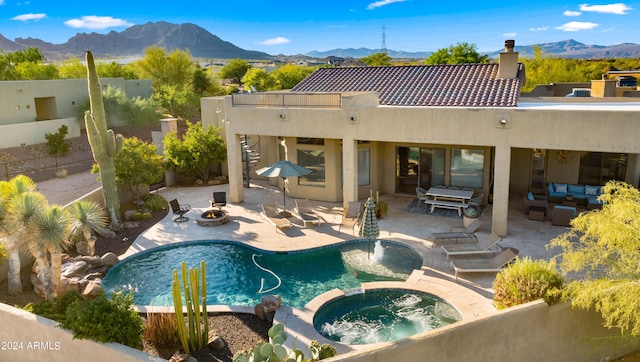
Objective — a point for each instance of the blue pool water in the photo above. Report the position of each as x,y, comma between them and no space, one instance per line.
382,315
234,279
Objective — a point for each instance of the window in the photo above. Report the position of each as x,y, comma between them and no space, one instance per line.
596,168
314,160
467,168
364,167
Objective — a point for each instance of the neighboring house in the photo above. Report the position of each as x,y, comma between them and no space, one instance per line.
30,109
391,129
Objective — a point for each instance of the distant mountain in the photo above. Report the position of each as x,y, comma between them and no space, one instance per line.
364,52
132,41
574,49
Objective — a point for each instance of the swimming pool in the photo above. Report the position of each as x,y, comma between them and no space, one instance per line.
238,274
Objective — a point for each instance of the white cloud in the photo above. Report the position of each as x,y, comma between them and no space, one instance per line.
572,13
617,8
513,35
542,28
27,17
577,26
382,3
96,22
275,41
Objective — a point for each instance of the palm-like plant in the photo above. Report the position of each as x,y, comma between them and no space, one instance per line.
87,217
8,191
50,227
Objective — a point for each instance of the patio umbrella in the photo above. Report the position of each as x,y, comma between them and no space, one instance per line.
369,228
284,169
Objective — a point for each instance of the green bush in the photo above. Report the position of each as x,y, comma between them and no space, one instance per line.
106,320
101,319
153,202
527,280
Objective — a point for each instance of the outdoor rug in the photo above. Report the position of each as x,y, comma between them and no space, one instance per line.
416,207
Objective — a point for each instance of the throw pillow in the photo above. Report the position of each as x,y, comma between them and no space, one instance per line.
530,196
561,188
591,190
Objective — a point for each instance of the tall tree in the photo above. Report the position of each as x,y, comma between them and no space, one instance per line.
601,253
175,68
259,79
377,59
235,70
288,75
460,53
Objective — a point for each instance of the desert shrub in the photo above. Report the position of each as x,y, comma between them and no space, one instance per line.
527,280
105,320
55,309
162,329
153,202
3,253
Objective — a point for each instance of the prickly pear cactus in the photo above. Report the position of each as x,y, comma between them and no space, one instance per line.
105,145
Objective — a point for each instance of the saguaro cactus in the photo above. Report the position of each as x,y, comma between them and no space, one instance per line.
105,145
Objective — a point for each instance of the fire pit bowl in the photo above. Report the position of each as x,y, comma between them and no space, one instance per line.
212,218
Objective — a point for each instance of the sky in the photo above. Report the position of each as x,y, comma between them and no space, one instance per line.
298,27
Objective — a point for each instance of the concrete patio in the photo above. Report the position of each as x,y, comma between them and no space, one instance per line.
471,294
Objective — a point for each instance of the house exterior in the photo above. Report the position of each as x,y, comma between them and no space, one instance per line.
392,129
32,108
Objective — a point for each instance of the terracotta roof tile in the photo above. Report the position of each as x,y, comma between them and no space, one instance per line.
456,85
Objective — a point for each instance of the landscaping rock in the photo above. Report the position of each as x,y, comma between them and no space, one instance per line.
215,341
74,268
181,357
258,310
93,289
270,303
110,259
82,248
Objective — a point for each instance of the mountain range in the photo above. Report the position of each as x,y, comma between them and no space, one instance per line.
132,41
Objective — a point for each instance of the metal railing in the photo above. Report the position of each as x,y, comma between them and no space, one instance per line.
311,100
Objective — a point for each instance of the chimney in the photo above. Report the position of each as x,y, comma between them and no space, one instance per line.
508,61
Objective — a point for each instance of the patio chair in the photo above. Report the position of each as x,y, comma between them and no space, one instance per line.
351,216
484,246
219,200
533,200
476,200
306,213
179,210
270,213
421,194
457,234
494,264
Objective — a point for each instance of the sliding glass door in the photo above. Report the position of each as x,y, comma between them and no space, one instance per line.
419,167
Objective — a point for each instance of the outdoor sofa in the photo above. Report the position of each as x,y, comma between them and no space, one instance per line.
583,194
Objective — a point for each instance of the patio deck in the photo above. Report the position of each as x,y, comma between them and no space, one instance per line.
471,293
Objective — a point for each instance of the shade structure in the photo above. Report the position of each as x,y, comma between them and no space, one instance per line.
369,228
284,169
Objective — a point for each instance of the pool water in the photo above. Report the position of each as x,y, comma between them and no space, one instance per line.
382,315
234,279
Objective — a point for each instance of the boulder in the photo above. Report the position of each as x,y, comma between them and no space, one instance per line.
270,303
258,310
74,268
128,214
93,289
110,259
68,285
82,248
215,341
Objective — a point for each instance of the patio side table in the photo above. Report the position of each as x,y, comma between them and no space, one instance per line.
537,213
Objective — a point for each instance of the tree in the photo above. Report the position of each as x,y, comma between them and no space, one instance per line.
259,79
87,217
287,76
138,164
460,53
196,151
377,59
601,254
9,191
179,101
175,68
72,68
235,70
57,145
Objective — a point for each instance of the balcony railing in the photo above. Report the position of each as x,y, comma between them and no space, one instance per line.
310,100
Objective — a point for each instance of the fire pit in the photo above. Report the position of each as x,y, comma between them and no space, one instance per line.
212,218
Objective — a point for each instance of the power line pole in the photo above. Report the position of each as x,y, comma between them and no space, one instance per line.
384,40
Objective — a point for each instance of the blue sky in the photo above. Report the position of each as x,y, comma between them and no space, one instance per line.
292,27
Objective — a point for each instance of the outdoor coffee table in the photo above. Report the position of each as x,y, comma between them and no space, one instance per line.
537,213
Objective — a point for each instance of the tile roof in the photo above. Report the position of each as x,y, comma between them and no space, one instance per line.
454,85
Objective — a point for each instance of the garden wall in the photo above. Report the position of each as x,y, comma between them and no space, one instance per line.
530,332
28,337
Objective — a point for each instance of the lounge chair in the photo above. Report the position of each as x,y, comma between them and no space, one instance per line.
484,246
306,214
494,264
179,210
219,200
421,194
351,216
457,233
270,213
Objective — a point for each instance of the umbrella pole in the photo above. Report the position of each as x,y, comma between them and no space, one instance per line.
369,249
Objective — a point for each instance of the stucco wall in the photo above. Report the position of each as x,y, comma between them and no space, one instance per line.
530,332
